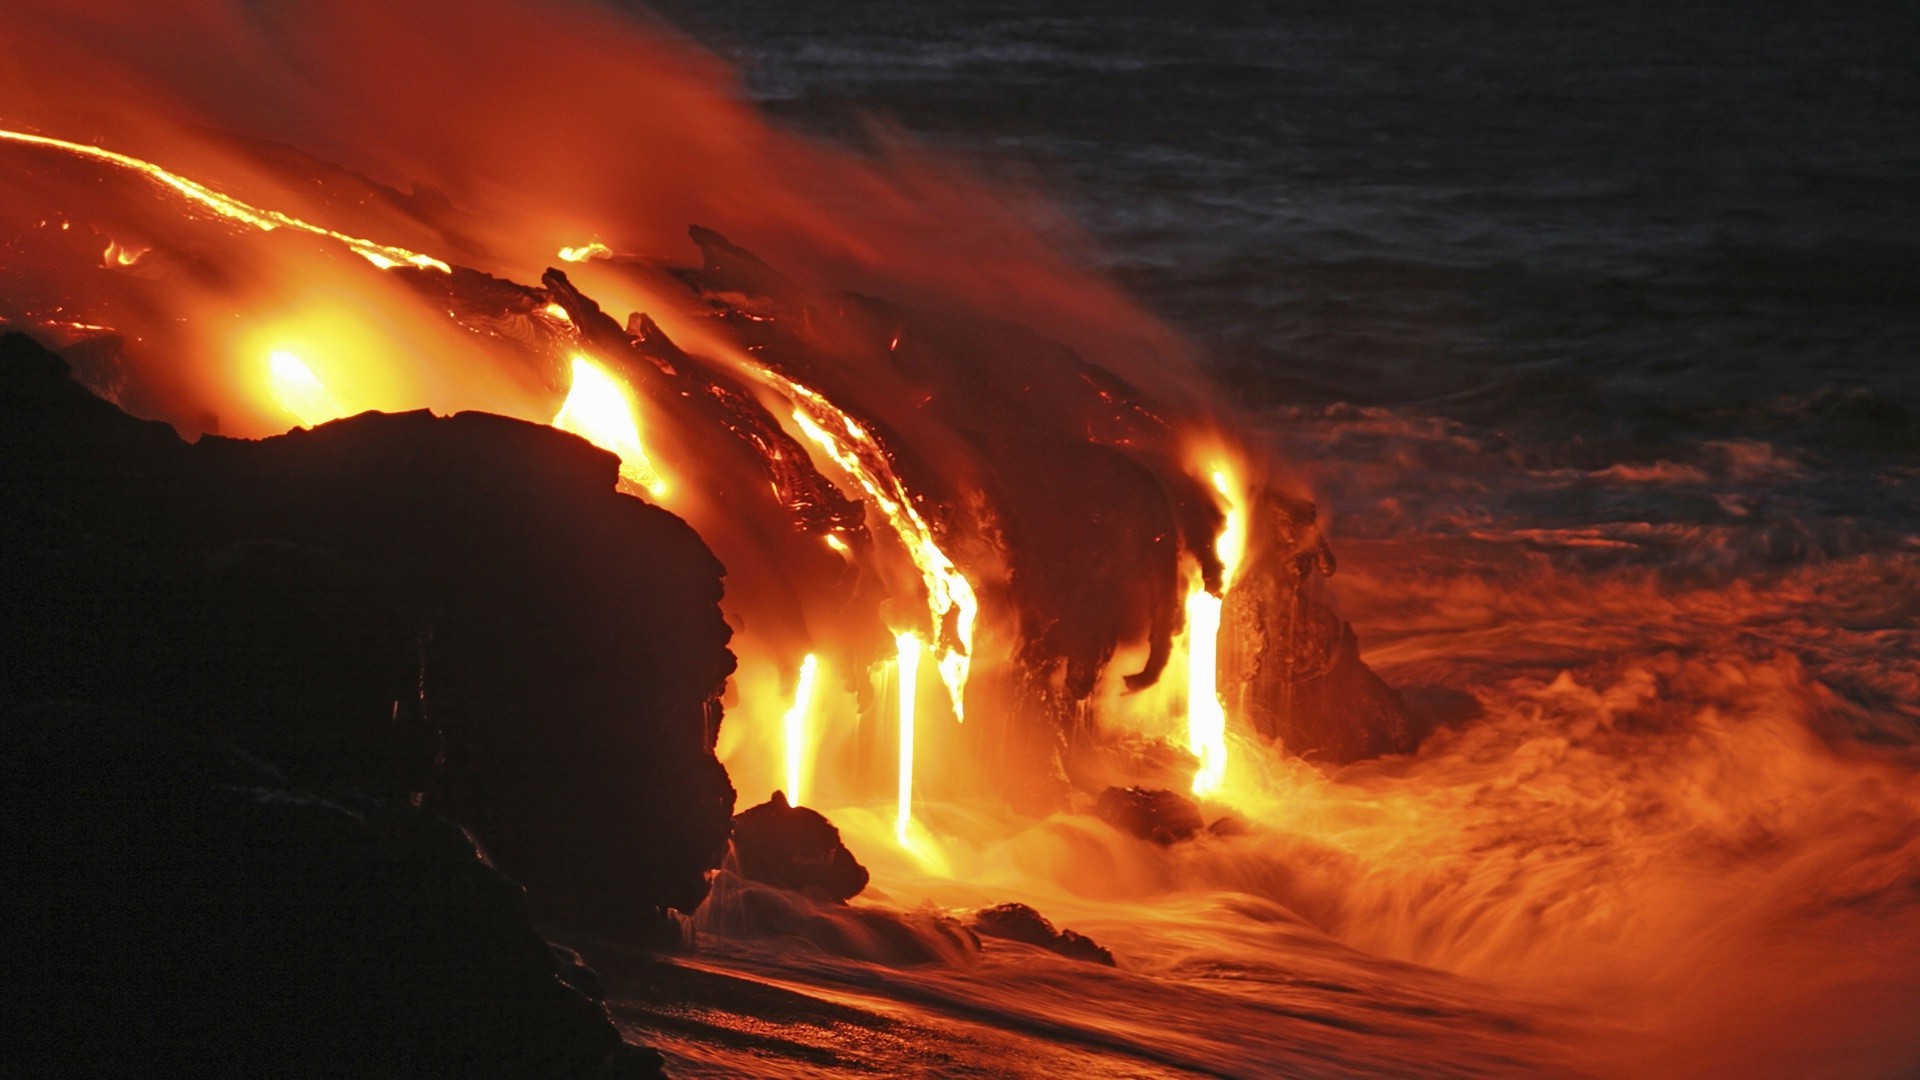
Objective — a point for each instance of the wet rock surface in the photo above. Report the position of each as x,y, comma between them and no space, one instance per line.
743,910
1289,664
796,848
1164,817
1018,922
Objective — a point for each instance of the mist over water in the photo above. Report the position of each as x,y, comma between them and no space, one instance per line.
1589,329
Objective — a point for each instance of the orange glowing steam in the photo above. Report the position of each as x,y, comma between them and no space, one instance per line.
600,409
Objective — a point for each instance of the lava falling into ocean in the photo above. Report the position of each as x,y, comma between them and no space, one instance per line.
993,547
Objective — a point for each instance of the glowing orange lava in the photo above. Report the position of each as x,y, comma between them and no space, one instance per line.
908,675
600,409
299,391
795,725
1206,718
594,250
119,254
950,597
382,255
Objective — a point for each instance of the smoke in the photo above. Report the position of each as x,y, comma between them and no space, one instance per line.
1681,797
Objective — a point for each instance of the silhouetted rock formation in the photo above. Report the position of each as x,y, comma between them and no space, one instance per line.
795,848
1018,922
1164,817
459,609
1289,666
176,907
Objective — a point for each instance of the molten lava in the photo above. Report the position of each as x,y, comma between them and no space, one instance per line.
794,727
1633,778
229,208
951,607
299,391
907,676
600,409
1206,716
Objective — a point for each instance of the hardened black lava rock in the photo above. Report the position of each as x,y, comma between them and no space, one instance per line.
460,610
795,848
177,907
1164,817
1018,922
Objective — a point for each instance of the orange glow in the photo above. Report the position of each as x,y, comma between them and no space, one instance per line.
838,544
232,209
1206,718
908,672
600,409
557,312
949,595
594,250
299,391
795,724
118,254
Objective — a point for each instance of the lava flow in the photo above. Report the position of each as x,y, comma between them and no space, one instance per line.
601,408
1600,819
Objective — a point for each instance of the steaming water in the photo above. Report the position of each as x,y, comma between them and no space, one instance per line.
1593,331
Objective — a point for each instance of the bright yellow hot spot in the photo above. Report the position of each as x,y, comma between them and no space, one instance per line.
299,391
594,250
119,254
908,676
385,256
796,727
1206,718
1231,544
600,409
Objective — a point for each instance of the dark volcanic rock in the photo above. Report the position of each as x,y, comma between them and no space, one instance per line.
177,907
1018,922
462,609
1164,817
795,848
1073,484
1290,665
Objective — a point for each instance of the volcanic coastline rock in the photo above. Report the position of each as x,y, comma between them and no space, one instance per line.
1289,665
461,612
1018,922
1045,463
1164,817
177,907
795,848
